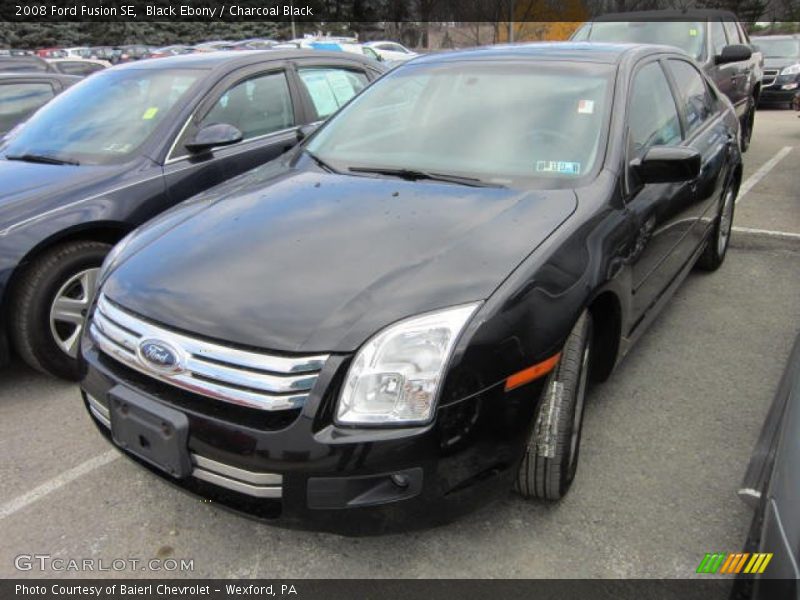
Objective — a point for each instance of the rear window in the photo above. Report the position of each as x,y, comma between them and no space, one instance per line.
689,36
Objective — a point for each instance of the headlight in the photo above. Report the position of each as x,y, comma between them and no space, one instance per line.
395,377
791,70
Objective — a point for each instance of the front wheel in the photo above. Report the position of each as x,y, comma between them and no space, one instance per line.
551,457
50,303
717,245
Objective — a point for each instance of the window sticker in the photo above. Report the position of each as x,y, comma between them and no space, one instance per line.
341,86
585,107
693,32
321,94
558,166
150,113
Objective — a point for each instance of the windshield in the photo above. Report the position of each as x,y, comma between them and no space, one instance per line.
489,121
779,48
686,35
105,118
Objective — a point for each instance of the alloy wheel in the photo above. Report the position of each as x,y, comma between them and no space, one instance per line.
69,308
725,223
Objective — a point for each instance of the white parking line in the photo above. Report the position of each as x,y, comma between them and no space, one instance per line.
762,172
37,493
768,233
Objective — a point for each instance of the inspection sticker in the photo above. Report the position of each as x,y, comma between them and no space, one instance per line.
585,107
558,166
149,113
693,32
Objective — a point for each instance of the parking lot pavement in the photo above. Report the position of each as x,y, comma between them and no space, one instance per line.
666,442
773,201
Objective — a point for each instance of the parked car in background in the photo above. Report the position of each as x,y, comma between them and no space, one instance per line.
78,66
51,53
391,51
771,486
371,53
126,144
23,93
714,38
397,321
255,44
215,46
107,53
133,52
781,68
174,50
24,63
77,52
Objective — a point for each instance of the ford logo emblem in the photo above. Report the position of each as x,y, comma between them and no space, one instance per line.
159,356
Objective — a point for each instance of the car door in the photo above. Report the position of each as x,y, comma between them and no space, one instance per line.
741,70
705,131
262,103
662,214
327,85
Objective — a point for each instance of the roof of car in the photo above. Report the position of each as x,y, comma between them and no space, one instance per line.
670,15
211,60
610,53
39,75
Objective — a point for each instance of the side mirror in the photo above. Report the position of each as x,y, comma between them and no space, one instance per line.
733,53
211,136
306,130
668,164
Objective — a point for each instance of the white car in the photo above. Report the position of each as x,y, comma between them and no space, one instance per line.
77,52
391,51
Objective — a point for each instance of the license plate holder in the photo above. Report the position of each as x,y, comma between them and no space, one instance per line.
155,433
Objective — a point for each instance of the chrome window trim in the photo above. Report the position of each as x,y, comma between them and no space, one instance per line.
280,132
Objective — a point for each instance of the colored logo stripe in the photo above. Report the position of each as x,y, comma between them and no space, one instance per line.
734,563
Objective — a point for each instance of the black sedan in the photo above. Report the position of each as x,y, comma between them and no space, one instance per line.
23,93
399,319
126,144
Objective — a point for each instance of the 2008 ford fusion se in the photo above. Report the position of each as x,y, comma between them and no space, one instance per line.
398,321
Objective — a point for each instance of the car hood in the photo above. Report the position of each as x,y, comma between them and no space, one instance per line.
319,262
28,188
780,63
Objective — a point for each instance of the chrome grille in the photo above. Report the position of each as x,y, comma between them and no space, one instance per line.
243,377
769,76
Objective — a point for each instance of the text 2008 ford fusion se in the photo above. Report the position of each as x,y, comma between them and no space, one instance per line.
397,321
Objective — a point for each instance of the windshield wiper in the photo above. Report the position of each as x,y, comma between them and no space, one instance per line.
321,162
416,175
41,158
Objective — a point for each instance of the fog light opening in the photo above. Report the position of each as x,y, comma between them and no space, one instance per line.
400,480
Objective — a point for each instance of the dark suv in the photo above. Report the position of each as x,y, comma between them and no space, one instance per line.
781,80
714,38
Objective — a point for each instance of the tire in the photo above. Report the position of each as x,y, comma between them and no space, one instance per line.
551,457
717,246
43,331
746,129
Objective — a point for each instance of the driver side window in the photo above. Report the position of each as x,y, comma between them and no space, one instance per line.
653,115
257,106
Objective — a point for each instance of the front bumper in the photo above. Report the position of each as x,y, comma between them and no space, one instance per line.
777,91
771,95
297,469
